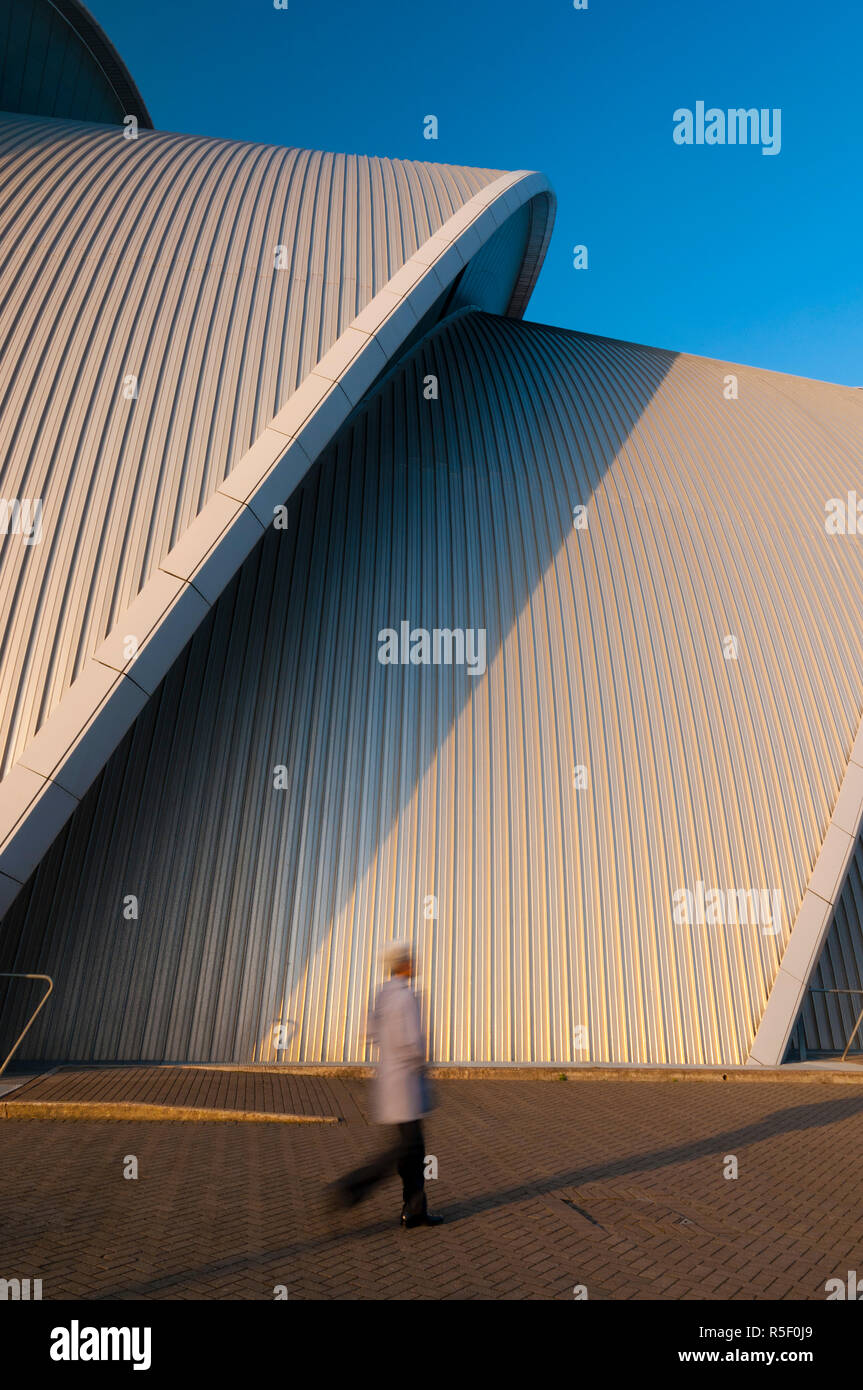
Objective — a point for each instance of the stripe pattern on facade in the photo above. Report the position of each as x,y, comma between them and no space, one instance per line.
154,259
427,803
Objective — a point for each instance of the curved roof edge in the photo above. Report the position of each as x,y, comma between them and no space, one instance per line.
55,771
92,36
542,210
117,75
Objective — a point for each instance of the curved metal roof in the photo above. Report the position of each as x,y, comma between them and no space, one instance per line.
185,326
248,296
56,60
552,937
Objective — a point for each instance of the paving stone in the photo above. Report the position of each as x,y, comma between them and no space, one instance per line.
616,1185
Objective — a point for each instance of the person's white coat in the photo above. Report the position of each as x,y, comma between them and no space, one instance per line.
399,1092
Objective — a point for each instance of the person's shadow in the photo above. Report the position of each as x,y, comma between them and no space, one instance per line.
798,1117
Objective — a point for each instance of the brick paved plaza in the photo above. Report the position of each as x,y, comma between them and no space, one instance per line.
616,1185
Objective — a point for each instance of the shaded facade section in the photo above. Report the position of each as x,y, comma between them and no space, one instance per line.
834,998
55,60
286,803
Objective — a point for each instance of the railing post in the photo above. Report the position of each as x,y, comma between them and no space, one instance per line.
14,975
851,1039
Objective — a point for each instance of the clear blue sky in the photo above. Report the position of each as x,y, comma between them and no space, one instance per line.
717,250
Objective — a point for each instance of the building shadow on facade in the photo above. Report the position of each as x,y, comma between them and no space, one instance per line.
286,803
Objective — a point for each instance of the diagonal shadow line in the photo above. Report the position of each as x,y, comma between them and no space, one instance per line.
798,1117
209,982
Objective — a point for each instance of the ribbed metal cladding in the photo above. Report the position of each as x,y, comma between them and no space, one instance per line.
154,259
554,937
827,1020
55,60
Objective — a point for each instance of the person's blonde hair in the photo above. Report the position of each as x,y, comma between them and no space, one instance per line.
397,953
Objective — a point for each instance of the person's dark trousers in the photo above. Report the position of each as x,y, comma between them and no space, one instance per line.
411,1168
407,1158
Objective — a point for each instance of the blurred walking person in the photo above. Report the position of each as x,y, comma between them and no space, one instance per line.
400,1094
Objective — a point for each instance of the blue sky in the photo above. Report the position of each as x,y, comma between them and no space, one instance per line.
718,250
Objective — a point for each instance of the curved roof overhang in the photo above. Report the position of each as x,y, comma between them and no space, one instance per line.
96,41
89,35
55,770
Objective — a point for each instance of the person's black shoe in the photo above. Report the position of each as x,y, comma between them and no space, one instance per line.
424,1219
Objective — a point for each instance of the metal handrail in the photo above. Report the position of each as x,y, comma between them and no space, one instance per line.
15,975
819,989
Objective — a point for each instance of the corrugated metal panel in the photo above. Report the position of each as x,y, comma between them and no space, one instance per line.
155,259
55,60
827,1021
605,648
